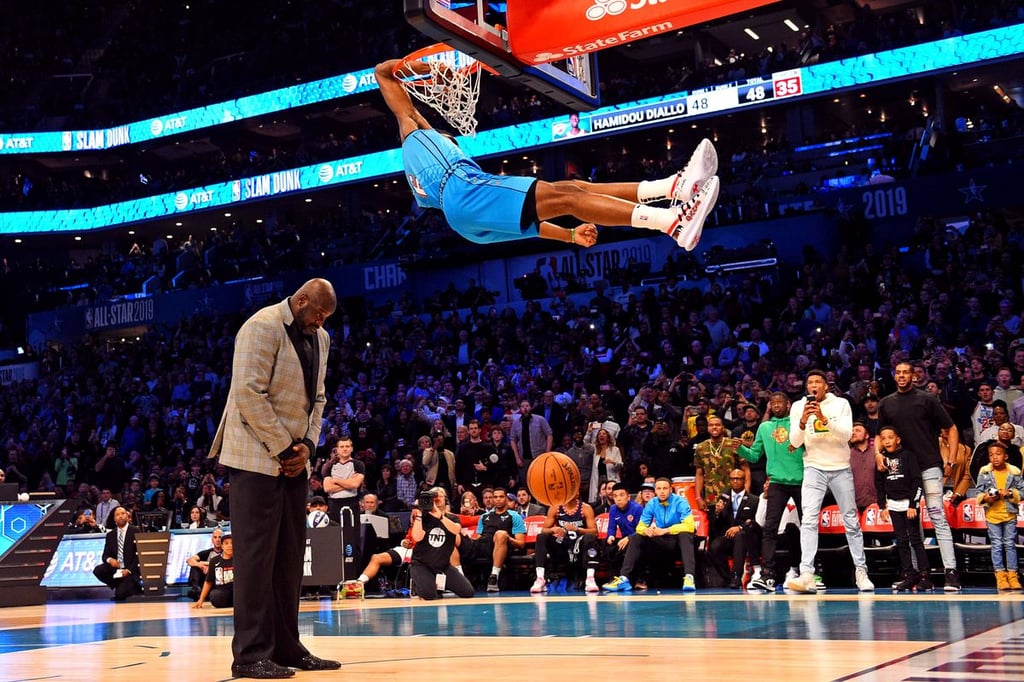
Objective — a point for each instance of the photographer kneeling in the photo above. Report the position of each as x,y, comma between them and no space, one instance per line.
435,535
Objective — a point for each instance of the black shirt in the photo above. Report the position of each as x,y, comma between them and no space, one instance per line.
222,570
435,549
918,418
901,479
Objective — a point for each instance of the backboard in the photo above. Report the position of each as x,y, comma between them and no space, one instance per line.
477,28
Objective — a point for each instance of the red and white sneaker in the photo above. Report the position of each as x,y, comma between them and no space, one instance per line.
703,164
693,213
539,585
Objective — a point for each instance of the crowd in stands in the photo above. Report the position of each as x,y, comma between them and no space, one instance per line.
136,419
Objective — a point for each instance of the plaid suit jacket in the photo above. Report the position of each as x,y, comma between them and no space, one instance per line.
268,405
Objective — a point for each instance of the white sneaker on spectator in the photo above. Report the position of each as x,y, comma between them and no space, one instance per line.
591,585
864,583
804,584
540,585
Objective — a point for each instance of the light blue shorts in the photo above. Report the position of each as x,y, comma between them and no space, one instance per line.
486,208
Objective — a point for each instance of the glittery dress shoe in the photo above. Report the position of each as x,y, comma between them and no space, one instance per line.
311,662
261,670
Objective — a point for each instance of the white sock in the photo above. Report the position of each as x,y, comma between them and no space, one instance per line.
540,571
654,190
495,570
654,218
363,578
590,573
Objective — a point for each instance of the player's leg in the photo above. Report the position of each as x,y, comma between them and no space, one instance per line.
500,550
680,187
684,223
540,559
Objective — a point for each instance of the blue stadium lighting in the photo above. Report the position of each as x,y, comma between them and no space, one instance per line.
793,84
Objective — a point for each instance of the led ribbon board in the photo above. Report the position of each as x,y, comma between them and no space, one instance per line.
191,120
803,82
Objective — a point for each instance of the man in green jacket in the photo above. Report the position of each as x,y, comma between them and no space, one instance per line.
785,469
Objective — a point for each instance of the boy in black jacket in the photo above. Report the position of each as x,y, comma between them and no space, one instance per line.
899,491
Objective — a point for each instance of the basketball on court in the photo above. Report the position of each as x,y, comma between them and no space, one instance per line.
553,479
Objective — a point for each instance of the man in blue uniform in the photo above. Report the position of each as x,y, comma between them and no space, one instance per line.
486,208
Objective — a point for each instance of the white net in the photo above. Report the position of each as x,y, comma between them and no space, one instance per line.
449,83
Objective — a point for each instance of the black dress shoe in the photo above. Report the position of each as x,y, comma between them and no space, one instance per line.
261,670
311,662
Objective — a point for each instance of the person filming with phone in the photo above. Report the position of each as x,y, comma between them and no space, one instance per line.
823,425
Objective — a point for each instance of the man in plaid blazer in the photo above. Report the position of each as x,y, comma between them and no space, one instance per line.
270,426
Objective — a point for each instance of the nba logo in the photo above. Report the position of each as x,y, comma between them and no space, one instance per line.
969,513
871,517
65,141
236,190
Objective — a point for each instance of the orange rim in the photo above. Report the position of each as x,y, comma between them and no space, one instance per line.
435,49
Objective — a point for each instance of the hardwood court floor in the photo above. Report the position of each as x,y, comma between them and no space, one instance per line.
711,635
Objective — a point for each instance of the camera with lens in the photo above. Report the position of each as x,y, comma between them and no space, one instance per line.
425,502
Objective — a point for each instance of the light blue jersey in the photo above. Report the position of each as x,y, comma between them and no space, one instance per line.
482,207
429,158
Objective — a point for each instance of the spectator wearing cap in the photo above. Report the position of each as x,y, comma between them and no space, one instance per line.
702,409
868,414
152,488
746,431
219,585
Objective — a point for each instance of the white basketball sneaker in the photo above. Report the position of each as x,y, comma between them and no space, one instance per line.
693,213
702,165
539,585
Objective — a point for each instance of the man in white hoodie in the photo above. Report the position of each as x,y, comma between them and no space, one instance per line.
823,424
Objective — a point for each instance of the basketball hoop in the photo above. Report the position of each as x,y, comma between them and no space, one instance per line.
446,80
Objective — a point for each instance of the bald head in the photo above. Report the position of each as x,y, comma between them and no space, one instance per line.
312,304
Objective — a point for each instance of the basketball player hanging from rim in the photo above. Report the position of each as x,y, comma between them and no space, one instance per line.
486,208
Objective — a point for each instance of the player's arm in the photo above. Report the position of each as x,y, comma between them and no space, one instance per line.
584,235
517,538
398,99
589,521
756,450
549,521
